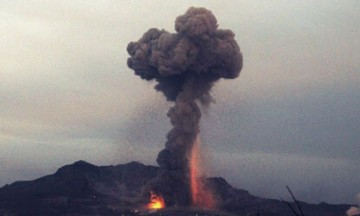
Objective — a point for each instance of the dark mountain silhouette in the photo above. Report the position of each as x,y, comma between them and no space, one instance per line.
85,189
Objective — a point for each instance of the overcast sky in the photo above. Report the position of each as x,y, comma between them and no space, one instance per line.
291,118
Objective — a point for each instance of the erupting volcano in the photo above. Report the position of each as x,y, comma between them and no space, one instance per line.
185,66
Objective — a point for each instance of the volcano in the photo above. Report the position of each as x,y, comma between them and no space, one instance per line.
85,189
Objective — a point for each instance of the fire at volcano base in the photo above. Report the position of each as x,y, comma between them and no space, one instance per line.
185,65
156,202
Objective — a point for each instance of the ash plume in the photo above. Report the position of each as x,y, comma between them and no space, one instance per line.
185,66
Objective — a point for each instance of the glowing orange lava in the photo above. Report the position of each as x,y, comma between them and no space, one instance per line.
202,197
156,202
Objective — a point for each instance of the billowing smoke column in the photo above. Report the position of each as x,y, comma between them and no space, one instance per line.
185,66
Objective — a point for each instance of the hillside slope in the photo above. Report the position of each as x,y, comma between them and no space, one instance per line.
85,189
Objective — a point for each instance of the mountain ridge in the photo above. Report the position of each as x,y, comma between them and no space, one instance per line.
82,188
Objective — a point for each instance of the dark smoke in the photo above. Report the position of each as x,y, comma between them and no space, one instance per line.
185,66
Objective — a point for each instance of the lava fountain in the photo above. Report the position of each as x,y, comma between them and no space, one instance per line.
201,195
185,65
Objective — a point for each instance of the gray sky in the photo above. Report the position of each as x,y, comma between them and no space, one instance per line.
291,118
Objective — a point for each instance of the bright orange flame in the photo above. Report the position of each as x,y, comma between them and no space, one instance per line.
156,201
201,196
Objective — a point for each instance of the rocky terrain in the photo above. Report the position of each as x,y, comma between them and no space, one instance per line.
85,189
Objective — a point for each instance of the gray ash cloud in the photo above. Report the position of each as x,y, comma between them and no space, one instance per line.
185,66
